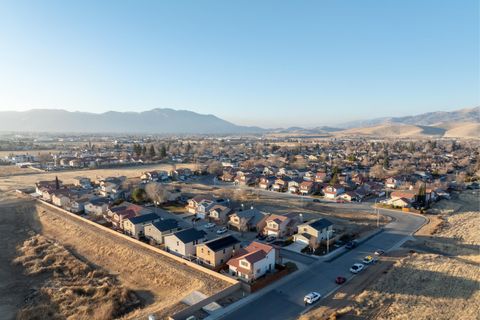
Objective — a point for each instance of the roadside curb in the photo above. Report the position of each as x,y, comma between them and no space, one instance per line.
360,241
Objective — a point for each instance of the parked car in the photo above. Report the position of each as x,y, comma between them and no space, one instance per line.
261,236
379,252
340,280
210,225
367,260
357,267
316,200
312,297
222,230
270,238
351,244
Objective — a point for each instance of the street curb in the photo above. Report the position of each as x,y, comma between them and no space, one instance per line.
344,251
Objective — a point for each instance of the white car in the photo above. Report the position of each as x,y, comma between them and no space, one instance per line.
312,297
209,225
356,268
222,230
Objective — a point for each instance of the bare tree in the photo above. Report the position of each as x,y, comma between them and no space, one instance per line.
377,172
215,167
157,192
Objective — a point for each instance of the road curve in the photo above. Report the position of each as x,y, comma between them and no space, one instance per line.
284,300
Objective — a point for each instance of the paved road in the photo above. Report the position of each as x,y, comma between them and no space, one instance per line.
286,300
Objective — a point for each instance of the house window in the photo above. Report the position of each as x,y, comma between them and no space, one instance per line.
178,243
223,250
201,250
258,270
304,229
244,264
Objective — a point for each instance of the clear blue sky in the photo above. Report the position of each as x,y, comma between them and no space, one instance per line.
268,63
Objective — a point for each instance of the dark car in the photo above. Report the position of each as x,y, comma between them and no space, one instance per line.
316,200
351,244
261,236
340,280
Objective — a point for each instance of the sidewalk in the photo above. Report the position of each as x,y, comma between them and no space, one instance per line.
218,314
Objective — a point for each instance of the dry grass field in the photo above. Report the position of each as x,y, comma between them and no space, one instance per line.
440,280
56,267
72,288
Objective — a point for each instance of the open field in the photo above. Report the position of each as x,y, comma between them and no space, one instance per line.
271,202
440,280
9,183
42,245
14,170
72,288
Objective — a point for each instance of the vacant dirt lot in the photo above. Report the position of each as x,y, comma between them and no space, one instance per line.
440,280
159,281
272,202
82,261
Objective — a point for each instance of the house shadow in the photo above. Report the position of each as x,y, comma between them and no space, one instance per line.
423,285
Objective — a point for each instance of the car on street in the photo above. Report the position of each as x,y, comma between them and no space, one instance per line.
340,280
210,225
316,200
357,267
222,230
351,244
312,297
379,252
367,260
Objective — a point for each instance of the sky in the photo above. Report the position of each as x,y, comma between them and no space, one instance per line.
266,63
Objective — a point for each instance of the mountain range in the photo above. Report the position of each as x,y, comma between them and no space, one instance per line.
460,123
156,121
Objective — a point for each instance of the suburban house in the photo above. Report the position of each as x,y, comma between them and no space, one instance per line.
203,208
307,187
280,225
321,176
97,206
77,204
183,242
312,233
253,261
118,214
82,182
294,185
266,182
392,182
135,226
219,213
248,220
349,196
332,192
193,203
45,188
215,253
281,184
227,176
156,231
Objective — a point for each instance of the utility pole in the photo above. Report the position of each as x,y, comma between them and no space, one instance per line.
328,241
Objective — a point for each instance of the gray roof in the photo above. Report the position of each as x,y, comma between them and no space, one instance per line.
189,235
144,218
221,243
167,224
253,215
320,224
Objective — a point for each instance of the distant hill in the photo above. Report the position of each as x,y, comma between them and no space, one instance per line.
424,119
156,121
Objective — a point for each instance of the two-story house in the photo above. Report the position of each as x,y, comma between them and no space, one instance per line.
219,213
156,231
248,220
281,225
215,253
312,233
183,242
332,192
253,261
135,226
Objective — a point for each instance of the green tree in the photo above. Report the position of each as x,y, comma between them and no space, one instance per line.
163,151
139,195
152,152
